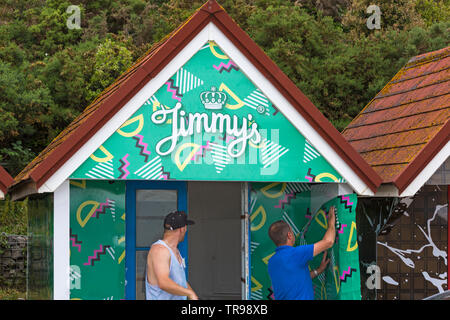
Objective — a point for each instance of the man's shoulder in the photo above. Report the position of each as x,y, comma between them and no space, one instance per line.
158,249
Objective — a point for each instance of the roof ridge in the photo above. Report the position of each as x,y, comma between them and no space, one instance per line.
428,57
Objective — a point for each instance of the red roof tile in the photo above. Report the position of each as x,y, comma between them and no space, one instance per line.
406,124
5,180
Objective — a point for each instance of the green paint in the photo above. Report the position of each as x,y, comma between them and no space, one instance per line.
97,240
291,202
208,91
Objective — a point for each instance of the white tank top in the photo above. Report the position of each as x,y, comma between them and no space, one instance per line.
176,273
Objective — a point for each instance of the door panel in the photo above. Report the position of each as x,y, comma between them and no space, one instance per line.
215,239
148,202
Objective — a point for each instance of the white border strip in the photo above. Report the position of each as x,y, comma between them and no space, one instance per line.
427,172
61,238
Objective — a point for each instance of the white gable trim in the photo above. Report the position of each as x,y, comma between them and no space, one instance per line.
2,195
427,172
209,32
61,242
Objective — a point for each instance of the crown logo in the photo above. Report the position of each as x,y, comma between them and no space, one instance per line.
213,99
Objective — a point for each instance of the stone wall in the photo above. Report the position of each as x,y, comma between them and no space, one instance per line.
13,259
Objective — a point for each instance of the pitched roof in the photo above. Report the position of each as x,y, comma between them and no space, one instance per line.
5,180
126,86
400,131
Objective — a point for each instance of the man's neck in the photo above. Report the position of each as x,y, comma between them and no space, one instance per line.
171,241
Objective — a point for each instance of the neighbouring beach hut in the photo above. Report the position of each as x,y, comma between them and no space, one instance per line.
204,122
403,133
5,181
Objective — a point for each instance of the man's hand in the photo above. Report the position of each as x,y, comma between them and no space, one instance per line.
330,235
192,295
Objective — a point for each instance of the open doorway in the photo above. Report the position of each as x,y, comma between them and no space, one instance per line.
214,242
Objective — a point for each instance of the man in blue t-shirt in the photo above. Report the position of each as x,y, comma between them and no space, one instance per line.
288,267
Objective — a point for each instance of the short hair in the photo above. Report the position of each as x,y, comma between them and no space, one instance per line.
278,232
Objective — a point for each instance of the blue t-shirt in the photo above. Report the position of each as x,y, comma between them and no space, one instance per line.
288,270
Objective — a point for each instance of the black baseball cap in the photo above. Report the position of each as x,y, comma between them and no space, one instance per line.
176,219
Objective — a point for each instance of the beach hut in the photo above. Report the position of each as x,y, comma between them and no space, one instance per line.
403,133
204,122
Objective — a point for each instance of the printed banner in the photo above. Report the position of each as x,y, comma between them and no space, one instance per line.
291,202
208,122
97,240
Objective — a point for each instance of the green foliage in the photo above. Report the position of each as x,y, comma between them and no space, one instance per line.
111,60
7,293
49,74
433,11
13,217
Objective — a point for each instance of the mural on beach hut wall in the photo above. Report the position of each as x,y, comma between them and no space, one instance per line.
292,202
97,240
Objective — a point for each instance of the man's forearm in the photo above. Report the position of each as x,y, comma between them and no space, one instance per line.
172,287
330,234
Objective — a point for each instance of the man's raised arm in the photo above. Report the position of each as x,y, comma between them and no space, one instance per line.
328,239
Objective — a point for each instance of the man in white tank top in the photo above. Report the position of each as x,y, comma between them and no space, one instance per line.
165,276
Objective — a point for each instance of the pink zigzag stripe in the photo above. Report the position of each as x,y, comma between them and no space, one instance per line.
94,256
344,273
285,200
75,245
124,167
100,208
309,178
226,66
174,92
200,152
347,198
342,228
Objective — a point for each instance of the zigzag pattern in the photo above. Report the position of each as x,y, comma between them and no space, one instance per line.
308,214
286,200
123,168
270,296
200,152
341,230
309,176
345,200
102,208
347,274
165,175
174,90
227,67
142,146
75,241
276,110
96,255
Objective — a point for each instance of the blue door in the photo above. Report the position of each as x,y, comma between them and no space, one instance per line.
147,203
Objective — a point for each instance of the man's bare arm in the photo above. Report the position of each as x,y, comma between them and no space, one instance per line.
328,239
160,259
